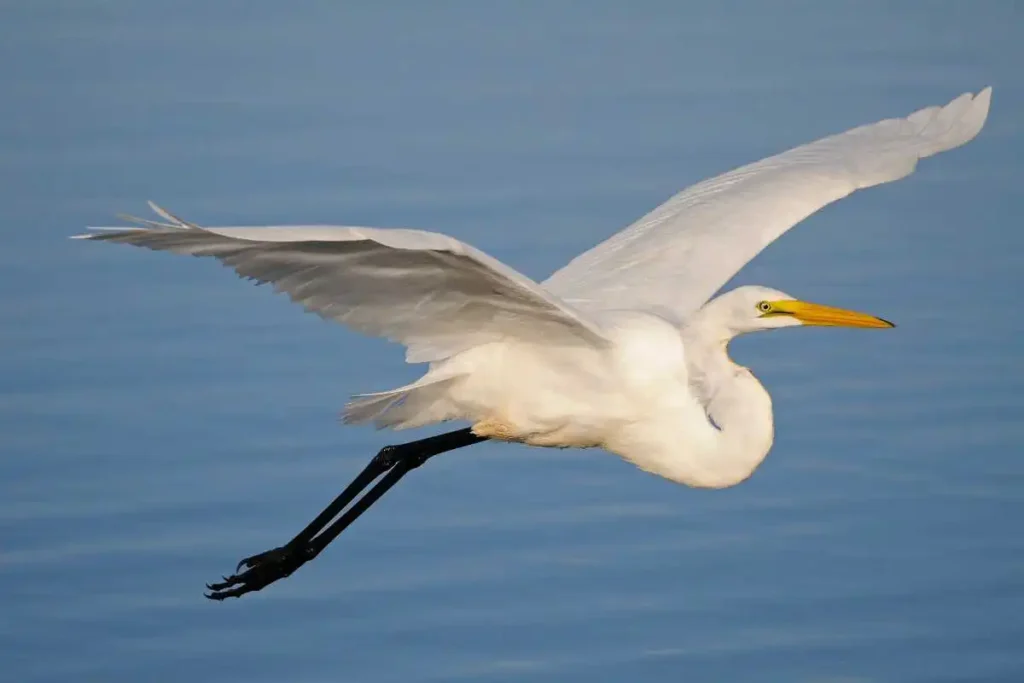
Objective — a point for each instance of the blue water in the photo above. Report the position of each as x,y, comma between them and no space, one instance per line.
159,418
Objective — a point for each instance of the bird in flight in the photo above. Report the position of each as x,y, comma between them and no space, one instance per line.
624,348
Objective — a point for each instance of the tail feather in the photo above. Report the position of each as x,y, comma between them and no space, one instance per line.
414,405
366,407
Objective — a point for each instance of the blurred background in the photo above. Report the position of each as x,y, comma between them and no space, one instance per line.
160,419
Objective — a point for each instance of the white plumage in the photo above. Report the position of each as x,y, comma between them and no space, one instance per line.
678,255
621,348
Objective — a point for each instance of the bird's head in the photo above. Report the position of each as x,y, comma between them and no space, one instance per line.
753,308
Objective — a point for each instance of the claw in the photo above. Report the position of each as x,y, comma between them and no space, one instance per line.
261,570
232,593
228,582
253,560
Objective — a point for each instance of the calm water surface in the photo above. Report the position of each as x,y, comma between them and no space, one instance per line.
160,419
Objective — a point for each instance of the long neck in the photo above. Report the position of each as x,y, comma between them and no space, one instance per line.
740,427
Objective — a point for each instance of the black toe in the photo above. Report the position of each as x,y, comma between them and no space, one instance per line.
260,571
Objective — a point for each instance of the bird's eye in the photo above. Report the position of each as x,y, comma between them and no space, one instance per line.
764,307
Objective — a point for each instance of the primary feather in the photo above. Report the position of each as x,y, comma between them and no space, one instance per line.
439,296
621,348
432,293
675,258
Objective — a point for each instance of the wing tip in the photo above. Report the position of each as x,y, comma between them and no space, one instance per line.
98,232
953,124
970,123
141,224
982,102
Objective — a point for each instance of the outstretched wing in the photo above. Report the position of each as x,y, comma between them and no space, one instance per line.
430,292
677,256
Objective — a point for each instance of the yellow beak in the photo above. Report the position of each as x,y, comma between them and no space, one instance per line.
818,314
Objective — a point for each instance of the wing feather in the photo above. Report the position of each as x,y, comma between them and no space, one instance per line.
430,292
676,257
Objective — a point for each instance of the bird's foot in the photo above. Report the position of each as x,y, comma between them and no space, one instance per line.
260,571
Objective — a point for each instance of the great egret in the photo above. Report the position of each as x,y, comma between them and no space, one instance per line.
620,349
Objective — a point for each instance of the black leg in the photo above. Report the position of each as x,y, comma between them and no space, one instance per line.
394,462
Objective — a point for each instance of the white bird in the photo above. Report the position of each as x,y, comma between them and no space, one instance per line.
624,348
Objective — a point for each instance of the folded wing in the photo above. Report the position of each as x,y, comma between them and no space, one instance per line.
677,256
430,292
